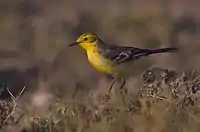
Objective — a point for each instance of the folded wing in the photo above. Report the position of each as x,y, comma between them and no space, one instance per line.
119,54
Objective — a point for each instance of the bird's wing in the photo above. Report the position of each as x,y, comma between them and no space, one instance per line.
120,54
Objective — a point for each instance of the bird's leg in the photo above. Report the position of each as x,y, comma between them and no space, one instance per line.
123,91
107,95
123,83
111,85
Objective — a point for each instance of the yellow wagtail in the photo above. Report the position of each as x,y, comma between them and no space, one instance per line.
106,58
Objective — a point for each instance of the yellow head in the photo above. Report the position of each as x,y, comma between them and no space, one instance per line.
86,41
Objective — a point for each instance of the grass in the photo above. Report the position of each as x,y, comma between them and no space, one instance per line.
166,101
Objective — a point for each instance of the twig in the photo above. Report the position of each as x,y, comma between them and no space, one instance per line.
193,73
14,101
157,97
20,92
193,116
11,95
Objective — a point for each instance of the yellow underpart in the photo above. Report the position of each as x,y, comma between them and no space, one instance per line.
99,62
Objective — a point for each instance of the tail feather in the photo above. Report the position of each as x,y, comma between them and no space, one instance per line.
164,50
156,51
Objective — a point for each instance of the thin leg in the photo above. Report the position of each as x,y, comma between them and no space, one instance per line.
111,85
122,90
107,95
123,83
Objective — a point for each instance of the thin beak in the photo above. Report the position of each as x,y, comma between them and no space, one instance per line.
73,44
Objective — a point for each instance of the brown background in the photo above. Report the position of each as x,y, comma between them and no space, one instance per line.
34,35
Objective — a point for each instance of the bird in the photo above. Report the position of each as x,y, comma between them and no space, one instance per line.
108,58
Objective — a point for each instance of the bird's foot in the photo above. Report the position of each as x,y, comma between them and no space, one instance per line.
123,91
106,98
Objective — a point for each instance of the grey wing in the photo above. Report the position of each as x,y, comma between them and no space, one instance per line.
120,54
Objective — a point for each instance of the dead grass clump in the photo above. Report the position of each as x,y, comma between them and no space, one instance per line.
180,89
166,101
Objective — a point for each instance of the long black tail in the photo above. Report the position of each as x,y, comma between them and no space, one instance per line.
145,52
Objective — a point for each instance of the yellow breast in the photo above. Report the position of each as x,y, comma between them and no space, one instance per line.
100,63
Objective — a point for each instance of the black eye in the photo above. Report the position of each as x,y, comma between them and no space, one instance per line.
85,39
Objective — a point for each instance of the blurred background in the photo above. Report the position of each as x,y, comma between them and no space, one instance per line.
34,35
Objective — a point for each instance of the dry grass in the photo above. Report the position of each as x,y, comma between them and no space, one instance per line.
167,101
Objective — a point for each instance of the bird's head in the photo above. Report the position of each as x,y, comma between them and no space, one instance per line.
86,41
